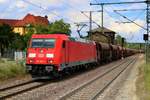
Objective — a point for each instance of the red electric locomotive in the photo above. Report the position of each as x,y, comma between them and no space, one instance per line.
49,54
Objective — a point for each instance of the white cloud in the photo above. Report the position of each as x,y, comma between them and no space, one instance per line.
79,3
21,4
69,10
52,17
48,3
76,16
120,27
126,28
3,1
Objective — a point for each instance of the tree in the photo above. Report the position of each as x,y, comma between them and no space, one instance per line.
41,29
59,27
7,36
56,27
30,29
18,42
119,40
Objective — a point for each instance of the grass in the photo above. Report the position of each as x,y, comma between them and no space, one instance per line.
143,82
147,80
11,69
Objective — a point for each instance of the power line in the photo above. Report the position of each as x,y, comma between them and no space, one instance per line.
35,5
110,14
130,20
137,17
81,12
116,3
129,9
92,20
39,7
106,11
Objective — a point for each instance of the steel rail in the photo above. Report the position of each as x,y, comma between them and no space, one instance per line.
9,95
104,88
91,81
17,85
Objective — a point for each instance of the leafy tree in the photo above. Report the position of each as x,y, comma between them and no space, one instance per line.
40,29
59,27
30,29
7,36
56,27
136,45
119,40
18,42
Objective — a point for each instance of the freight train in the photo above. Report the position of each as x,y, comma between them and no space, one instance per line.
49,55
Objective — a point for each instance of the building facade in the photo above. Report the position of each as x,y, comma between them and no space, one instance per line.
19,26
107,37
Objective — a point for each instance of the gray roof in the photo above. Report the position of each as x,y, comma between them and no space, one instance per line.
100,30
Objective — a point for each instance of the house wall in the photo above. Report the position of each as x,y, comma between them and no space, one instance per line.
20,30
99,38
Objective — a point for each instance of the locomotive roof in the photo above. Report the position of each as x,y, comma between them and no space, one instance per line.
63,36
50,36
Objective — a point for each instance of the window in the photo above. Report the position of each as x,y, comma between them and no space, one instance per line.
43,43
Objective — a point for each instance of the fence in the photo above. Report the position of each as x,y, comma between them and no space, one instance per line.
8,54
14,55
19,55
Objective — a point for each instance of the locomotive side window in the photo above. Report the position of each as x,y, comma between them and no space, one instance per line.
43,43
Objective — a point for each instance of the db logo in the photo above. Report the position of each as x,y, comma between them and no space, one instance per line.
41,55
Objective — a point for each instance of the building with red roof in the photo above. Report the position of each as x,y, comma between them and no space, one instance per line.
19,26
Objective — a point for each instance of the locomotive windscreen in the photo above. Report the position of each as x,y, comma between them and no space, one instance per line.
43,43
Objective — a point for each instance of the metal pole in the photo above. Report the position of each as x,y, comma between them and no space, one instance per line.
147,20
146,51
102,24
90,22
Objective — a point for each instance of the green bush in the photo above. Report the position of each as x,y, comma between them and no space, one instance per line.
9,69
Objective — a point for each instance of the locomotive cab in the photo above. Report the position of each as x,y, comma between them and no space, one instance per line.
44,53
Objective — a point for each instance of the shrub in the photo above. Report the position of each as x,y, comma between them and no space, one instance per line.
9,69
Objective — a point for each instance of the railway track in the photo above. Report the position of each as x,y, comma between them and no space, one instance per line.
18,89
14,90
93,88
16,85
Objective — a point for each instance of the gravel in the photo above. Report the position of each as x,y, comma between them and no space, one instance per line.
124,88
96,85
55,90
14,81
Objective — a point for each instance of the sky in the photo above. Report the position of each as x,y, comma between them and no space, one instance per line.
70,11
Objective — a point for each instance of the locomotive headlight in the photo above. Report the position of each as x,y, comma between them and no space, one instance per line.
32,55
50,55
